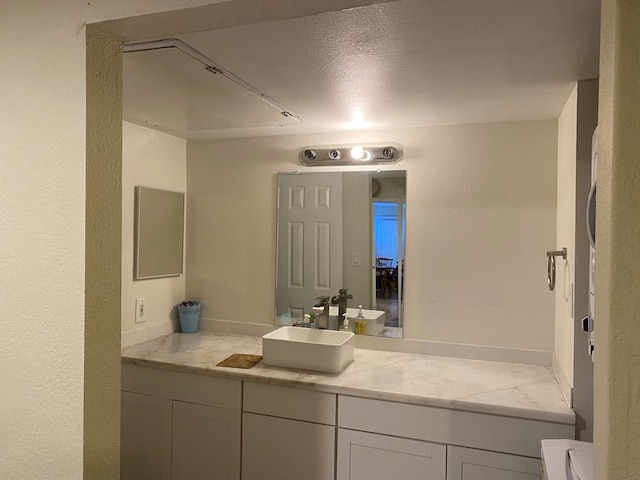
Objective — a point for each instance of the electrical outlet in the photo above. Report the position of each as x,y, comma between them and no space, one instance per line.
141,310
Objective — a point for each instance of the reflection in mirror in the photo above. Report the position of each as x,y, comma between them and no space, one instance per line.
342,230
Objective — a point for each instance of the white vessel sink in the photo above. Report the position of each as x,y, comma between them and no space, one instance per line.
373,316
375,319
308,349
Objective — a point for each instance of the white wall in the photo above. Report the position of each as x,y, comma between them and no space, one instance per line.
157,160
565,225
391,188
481,213
356,235
42,240
43,138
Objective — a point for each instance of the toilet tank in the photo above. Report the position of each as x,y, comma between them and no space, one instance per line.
567,460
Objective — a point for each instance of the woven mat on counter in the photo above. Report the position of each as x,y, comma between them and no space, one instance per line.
240,360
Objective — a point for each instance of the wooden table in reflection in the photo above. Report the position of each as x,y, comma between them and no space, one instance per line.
386,281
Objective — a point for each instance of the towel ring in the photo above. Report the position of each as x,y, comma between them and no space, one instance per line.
551,266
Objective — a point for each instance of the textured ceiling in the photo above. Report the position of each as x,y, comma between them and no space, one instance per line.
405,63
168,89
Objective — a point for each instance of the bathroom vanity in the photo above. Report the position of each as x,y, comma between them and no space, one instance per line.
387,415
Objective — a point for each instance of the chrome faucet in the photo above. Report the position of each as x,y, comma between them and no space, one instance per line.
341,301
323,318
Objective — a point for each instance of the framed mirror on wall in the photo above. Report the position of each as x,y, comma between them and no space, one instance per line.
158,233
342,230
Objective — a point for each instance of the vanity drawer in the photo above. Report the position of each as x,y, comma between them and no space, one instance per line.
293,403
490,432
187,387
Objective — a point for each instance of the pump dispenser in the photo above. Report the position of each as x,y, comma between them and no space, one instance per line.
345,324
360,325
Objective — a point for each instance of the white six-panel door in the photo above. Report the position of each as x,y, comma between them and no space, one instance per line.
309,239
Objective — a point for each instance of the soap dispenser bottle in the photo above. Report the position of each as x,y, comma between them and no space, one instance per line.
360,326
345,324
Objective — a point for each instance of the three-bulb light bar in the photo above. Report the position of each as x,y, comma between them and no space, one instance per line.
351,155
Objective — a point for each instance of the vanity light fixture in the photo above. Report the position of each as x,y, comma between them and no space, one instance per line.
350,155
357,153
309,154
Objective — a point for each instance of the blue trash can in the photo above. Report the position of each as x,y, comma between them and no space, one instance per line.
189,315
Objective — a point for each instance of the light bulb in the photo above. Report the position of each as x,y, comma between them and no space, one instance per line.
357,152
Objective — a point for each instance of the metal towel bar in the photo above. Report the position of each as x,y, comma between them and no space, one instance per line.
551,266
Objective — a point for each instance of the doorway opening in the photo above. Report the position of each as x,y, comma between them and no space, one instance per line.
388,247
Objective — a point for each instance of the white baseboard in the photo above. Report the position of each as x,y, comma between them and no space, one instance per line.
235,328
142,334
457,350
420,347
563,380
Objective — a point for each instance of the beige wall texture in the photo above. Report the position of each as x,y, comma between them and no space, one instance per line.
565,236
157,160
617,361
481,213
42,241
42,153
102,261
45,143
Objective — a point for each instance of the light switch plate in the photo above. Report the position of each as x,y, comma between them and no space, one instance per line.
141,309
355,259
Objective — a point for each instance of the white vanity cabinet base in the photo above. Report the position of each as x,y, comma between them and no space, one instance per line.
517,436
286,402
368,456
145,437
283,449
206,443
471,464
179,426
186,387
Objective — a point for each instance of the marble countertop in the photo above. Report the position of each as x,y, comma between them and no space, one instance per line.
523,391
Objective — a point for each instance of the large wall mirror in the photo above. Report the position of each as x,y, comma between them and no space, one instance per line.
342,230
159,232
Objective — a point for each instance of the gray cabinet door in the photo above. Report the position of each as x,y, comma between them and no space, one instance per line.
145,445
371,456
281,449
206,442
472,464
